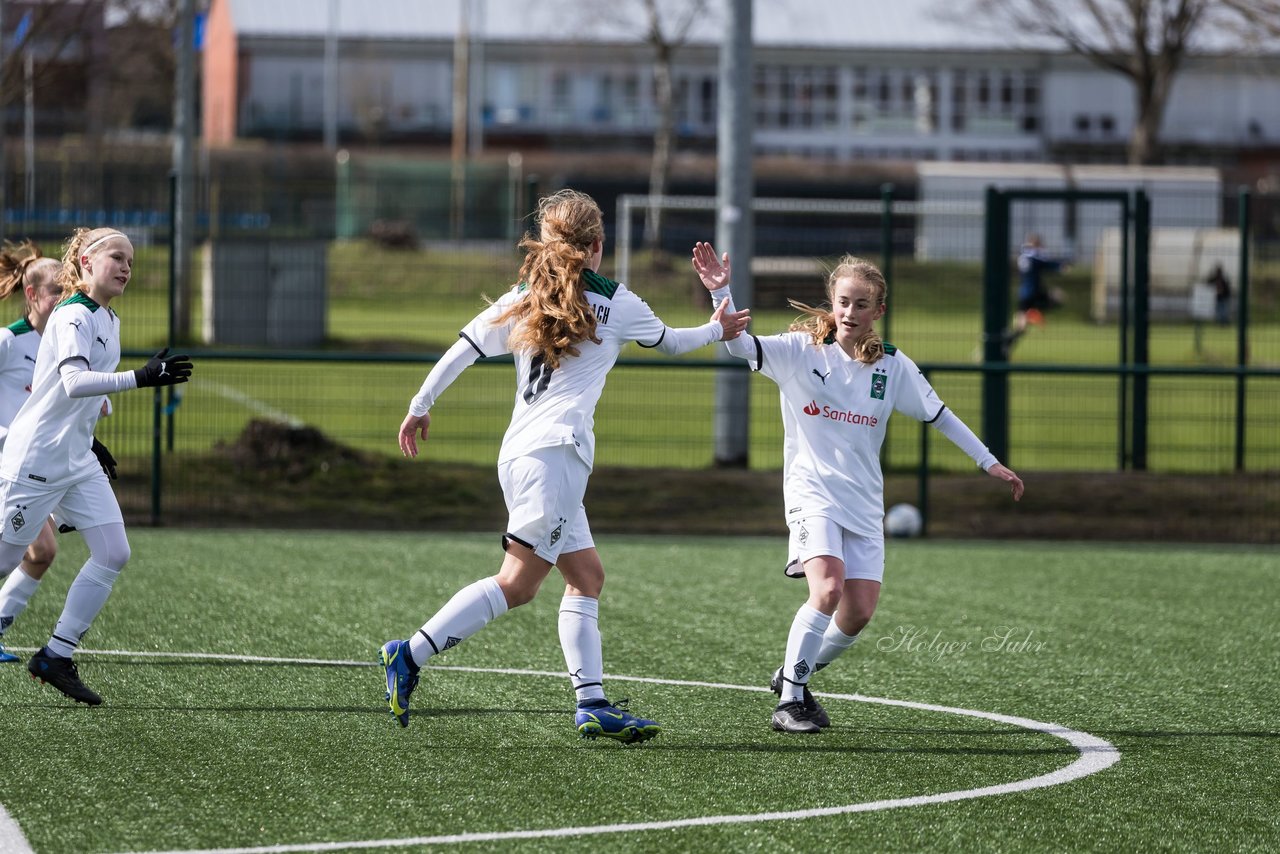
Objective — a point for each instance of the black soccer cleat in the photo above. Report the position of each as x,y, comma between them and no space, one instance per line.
62,674
792,717
813,709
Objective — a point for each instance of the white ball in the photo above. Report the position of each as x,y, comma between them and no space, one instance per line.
903,520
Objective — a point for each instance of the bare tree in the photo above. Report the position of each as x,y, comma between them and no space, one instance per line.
664,26
1144,40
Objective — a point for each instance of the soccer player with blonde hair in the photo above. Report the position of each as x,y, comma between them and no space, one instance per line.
48,463
564,323
838,383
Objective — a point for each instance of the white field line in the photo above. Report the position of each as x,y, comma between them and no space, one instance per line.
1096,754
11,839
252,403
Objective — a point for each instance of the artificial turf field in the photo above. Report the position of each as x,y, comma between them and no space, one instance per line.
1165,657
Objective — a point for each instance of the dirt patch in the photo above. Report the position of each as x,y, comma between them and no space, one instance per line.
276,476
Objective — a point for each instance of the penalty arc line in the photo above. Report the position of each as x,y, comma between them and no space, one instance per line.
1096,754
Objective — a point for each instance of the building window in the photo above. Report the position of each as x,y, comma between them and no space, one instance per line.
1107,124
1082,123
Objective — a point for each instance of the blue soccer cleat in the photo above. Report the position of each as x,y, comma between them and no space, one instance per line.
613,721
6,656
400,679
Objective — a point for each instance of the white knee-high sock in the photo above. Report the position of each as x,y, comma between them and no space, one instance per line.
14,596
469,611
803,643
834,643
580,640
85,599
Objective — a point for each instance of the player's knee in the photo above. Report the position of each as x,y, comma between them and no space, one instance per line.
38,558
825,597
519,589
114,556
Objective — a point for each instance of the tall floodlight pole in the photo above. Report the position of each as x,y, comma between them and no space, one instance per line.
331,80
734,223
4,167
183,224
461,106
29,127
475,83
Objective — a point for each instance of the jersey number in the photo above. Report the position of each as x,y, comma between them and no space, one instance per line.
539,378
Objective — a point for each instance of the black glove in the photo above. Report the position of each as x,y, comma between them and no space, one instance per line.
105,459
163,369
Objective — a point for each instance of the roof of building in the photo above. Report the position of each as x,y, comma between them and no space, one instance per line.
907,24
826,24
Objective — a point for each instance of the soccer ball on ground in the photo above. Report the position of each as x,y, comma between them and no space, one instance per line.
903,520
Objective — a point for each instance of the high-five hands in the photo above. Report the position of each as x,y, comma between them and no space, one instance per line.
715,272
734,322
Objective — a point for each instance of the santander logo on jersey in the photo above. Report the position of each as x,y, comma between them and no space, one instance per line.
839,415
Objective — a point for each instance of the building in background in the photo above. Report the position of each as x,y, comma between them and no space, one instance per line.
833,81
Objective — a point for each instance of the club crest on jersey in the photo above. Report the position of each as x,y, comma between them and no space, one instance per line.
878,383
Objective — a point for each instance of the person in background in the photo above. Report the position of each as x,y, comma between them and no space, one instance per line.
1221,295
1034,296
839,383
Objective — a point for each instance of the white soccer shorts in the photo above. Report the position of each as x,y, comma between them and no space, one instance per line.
544,490
84,504
816,536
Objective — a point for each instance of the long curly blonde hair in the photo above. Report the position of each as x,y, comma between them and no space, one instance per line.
555,317
820,323
71,277
23,264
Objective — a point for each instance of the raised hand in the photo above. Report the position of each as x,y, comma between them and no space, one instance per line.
715,272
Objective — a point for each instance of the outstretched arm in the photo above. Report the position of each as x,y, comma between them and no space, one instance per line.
454,361
716,273
949,424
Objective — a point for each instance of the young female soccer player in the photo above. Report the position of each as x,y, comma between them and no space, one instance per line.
839,383
48,463
564,323
25,270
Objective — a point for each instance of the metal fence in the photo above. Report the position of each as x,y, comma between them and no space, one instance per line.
295,327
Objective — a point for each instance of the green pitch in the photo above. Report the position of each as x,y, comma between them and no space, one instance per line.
1167,654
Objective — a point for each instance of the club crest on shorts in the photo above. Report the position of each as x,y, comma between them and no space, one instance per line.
17,521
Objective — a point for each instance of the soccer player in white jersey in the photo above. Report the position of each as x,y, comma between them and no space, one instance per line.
564,324
48,463
839,382
25,270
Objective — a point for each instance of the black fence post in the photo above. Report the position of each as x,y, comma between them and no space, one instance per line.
1242,327
995,315
1141,324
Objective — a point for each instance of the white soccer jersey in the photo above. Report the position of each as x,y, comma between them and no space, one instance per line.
835,411
51,438
19,343
557,407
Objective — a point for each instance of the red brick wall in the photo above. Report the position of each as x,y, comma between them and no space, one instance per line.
221,76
